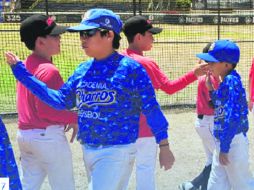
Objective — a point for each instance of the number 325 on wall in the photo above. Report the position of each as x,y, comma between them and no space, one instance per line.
12,18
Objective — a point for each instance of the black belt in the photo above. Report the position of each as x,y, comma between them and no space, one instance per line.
200,116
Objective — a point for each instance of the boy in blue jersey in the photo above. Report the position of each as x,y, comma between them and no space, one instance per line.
110,91
230,167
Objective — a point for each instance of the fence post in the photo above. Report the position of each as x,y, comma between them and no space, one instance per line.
140,7
46,7
134,7
219,19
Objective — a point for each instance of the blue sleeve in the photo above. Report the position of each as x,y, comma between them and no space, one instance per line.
150,107
63,98
231,115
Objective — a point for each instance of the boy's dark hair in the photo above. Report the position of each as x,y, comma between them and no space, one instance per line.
130,38
207,47
30,44
233,66
116,40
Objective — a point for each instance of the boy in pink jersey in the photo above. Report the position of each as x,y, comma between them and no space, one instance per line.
139,32
44,149
204,127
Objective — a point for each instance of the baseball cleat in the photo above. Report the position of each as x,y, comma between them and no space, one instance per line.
187,186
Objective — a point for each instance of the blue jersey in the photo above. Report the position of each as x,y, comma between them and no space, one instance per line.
8,167
110,94
231,110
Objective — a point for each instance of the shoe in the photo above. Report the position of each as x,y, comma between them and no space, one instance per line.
187,186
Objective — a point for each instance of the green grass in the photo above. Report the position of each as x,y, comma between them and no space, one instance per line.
174,59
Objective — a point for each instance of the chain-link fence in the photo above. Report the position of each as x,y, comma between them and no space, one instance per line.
187,27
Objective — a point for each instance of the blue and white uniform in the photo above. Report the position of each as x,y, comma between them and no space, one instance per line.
231,110
230,128
110,94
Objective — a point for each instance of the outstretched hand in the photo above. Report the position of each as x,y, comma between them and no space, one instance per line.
74,128
11,58
201,68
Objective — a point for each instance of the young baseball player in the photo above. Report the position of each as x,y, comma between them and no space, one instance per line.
110,91
230,167
204,127
43,146
8,167
139,32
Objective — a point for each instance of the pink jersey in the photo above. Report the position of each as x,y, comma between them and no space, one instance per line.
33,113
203,98
159,81
251,80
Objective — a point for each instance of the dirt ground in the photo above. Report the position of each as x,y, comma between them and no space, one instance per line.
184,142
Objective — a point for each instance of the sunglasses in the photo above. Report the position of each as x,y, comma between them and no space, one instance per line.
91,33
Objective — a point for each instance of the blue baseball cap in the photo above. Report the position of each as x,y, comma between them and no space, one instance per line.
99,18
222,51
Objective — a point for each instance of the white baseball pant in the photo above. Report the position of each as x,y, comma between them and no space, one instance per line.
236,175
45,152
146,163
109,168
204,128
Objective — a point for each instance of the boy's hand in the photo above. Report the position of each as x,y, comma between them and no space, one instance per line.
11,58
74,128
201,68
250,105
223,158
166,158
208,81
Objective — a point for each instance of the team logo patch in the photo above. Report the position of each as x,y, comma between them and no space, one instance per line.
92,98
50,20
219,112
107,21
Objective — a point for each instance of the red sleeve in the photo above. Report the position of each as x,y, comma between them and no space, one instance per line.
161,81
251,69
173,86
251,82
155,74
50,75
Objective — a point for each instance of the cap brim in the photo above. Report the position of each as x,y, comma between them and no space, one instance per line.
207,57
80,27
155,30
58,30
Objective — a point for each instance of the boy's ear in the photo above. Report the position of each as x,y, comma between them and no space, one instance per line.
137,36
39,41
110,34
